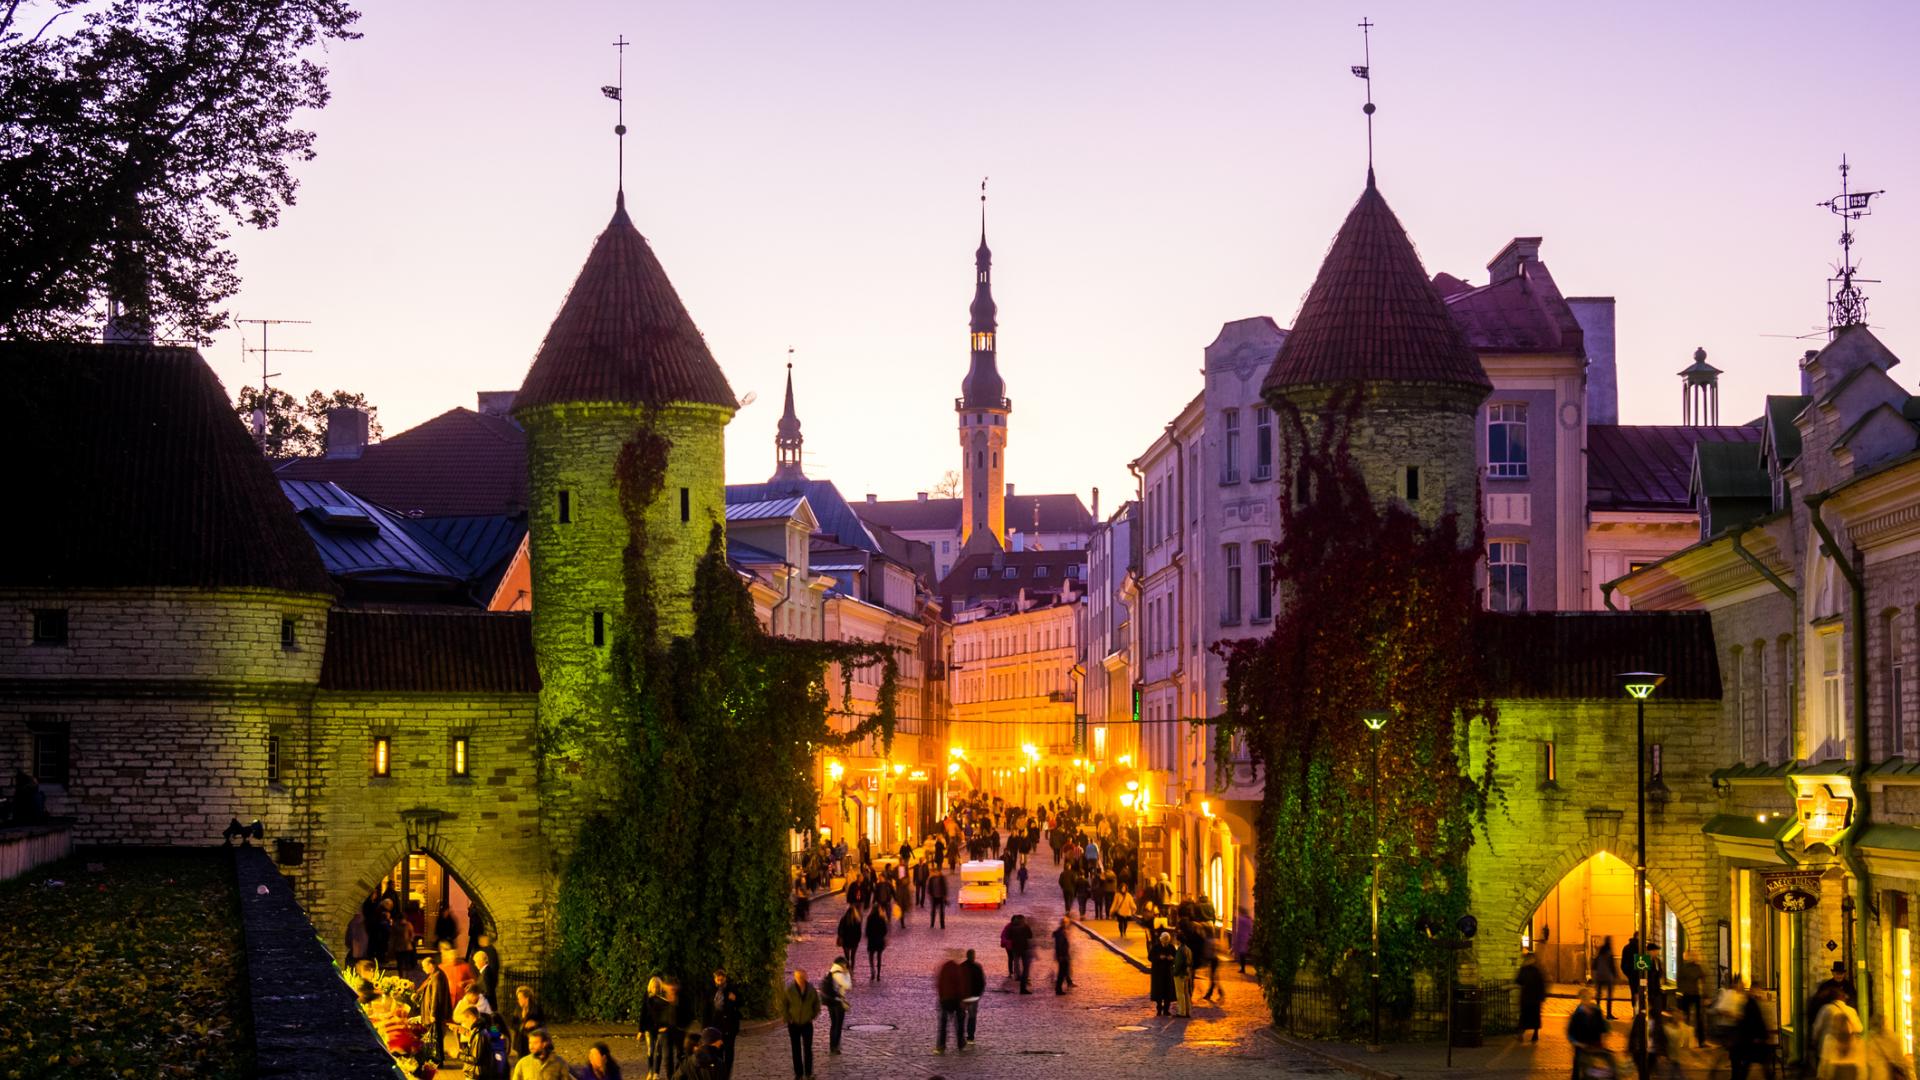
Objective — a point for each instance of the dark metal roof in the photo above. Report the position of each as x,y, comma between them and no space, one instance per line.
1650,467
1055,513
836,517
136,472
1781,409
962,588
1372,314
485,542
623,335
458,464
358,540
1523,313
429,650
1578,654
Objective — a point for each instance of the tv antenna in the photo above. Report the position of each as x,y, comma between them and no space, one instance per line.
1846,304
266,351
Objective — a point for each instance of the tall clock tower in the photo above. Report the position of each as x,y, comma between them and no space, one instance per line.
983,408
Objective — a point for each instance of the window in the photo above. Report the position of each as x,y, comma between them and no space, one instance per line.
980,573
1549,763
382,756
273,759
1833,711
1764,698
1230,603
566,507
1039,571
460,756
1262,443
1010,573
1507,440
686,505
1262,580
1230,447
50,626
599,628
1410,483
51,749
946,547
1896,739
1506,576
288,638
1656,761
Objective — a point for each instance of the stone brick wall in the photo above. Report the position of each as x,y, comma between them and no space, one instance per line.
1402,424
1543,833
223,637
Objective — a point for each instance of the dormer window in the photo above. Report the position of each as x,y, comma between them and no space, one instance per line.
1039,571
980,573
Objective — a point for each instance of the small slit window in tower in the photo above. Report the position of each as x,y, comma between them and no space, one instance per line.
566,507
460,755
1410,484
382,755
599,628
1549,762
273,759
686,505
288,639
50,626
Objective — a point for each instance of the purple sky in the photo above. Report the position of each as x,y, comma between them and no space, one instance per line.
808,175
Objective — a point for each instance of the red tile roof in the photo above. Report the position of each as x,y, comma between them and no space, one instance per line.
1574,655
429,650
963,589
1650,467
1055,513
623,335
137,473
1523,313
460,463
1372,313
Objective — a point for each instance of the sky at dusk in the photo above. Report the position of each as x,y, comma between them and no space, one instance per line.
809,173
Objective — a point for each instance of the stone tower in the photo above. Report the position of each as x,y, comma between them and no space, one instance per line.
623,353
1374,324
787,442
983,407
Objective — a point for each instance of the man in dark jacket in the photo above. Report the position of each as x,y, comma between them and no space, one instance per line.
937,901
949,986
436,1006
723,1015
976,988
1062,957
848,934
1020,949
797,1005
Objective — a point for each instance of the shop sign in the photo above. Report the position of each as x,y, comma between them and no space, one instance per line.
918,776
1822,813
1793,890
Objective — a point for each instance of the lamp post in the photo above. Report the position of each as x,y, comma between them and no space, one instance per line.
1375,719
1640,686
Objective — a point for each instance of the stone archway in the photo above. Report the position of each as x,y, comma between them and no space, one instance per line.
420,836
1509,915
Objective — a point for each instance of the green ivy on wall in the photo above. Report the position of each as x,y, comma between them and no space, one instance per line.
1375,611
699,764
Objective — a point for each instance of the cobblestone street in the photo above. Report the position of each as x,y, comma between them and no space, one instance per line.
1105,1027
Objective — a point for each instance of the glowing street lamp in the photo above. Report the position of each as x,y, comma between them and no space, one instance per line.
835,770
1640,686
1375,719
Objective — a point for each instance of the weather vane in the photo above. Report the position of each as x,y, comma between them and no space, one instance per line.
618,93
1364,72
1846,304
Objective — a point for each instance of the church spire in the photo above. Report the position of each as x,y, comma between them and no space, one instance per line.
983,409
786,439
983,387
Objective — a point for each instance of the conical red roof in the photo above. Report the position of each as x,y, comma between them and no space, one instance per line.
623,336
1373,314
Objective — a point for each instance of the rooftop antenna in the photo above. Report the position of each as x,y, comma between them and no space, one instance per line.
259,409
1364,72
1846,304
618,93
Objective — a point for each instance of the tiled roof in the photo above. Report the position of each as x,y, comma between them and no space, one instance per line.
623,335
1649,467
1578,654
1523,313
429,650
460,463
1056,513
1372,313
360,542
962,588
136,472
836,517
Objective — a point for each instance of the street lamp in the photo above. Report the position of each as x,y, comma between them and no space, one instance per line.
1640,686
1375,719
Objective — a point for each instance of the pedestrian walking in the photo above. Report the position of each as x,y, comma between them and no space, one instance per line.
836,990
600,1064
798,1004
876,932
1160,988
1606,973
883,896
1182,978
528,1018
847,934
1691,987
902,889
1062,957
436,1007
1082,892
1020,950
1123,909
920,877
1208,956
1533,993
1022,875
1587,1031
976,988
937,900
723,1015
1630,971
949,987
542,1061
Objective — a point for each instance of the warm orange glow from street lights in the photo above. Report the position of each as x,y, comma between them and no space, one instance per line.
835,770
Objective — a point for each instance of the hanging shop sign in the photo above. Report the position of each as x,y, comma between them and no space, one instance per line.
1793,890
1823,812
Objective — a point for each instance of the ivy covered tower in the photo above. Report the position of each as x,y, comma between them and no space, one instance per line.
1374,327
622,356
983,407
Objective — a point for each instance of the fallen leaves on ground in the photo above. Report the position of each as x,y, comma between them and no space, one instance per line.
136,969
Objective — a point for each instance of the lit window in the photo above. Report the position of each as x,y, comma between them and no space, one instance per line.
1230,447
460,755
1507,440
1831,677
1262,443
1230,602
1262,580
1506,576
1549,763
382,756
49,626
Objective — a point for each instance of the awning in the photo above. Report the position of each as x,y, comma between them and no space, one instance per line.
1746,837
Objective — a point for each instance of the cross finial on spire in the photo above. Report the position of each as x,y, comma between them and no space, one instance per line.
618,93
983,209
1364,72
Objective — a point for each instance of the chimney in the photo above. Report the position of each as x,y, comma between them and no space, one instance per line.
496,402
346,435
1806,372
921,495
1521,249
872,498
1595,316
1096,505
1009,491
